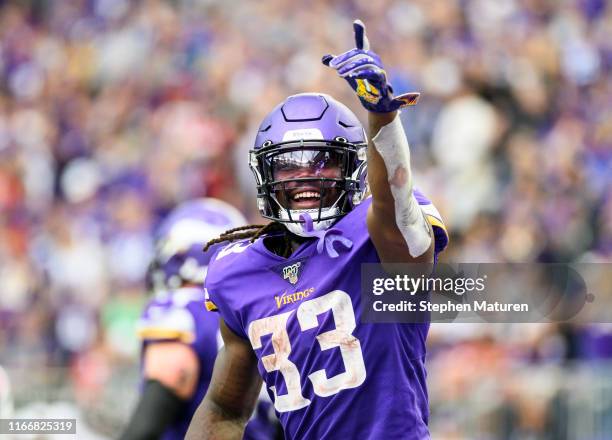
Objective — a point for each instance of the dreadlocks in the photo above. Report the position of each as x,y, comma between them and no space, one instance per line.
254,232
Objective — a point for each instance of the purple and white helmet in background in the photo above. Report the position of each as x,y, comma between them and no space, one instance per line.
309,157
180,238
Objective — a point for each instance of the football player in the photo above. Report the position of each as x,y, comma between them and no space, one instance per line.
180,340
289,292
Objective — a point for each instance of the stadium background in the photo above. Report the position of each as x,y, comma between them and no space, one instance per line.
113,111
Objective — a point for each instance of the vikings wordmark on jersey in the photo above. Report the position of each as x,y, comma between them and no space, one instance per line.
314,355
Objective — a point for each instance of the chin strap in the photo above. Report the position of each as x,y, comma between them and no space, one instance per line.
327,237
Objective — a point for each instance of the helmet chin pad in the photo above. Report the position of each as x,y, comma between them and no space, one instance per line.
297,227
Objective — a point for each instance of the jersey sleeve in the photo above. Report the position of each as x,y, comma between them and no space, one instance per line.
164,320
208,302
435,220
217,303
440,233
222,289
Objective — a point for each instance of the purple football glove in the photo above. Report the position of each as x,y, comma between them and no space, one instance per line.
364,71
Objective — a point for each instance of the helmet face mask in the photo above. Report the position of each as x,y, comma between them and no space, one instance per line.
322,176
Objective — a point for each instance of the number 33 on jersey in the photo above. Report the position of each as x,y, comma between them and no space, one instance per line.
339,303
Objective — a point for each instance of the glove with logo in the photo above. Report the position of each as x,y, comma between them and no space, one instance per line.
364,72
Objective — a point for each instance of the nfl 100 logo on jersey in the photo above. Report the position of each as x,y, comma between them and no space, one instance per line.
291,272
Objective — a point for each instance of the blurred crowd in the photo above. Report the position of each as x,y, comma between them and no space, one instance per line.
113,111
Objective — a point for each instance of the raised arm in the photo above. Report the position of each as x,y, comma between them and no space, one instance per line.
385,215
395,221
232,393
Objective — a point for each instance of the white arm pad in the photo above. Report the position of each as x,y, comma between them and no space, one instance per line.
392,145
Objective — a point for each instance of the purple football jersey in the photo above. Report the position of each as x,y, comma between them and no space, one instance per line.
180,316
329,375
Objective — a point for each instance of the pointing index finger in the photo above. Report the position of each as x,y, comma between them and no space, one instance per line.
361,40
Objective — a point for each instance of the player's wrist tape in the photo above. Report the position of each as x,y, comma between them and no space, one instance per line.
392,145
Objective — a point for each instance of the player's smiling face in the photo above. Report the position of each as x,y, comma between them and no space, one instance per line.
304,164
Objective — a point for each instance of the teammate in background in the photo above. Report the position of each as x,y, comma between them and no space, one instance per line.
180,340
289,291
